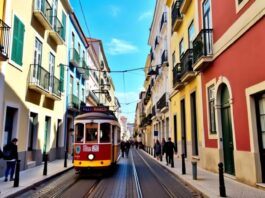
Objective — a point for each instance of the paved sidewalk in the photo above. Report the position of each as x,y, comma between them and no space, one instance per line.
32,176
208,183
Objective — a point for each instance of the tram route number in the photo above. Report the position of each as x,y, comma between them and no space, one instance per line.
94,148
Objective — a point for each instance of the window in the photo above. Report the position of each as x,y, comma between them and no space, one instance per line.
77,91
240,4
239,1
91,133
207,20
181,48
83,95
18,40
211,92
51,69
79,133
191,33
104,133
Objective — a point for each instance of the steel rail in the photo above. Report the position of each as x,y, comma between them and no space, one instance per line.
169,192
136,179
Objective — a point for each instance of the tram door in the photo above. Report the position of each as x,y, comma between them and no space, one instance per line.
113,143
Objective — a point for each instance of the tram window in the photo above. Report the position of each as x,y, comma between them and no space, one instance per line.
91,133
118,135
104,132
79,133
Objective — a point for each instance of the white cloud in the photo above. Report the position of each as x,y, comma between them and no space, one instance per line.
117,46
114,10
145,15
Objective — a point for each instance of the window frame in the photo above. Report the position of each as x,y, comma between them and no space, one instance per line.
240,5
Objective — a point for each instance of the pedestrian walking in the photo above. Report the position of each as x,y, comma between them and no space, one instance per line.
11,156
169,150
157,149
127,148
122,148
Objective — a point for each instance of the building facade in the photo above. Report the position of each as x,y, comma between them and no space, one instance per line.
33,109
230,61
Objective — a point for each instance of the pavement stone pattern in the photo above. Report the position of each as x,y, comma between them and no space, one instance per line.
208,182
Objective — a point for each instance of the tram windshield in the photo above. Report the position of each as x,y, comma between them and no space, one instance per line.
91,133
79,133
104,132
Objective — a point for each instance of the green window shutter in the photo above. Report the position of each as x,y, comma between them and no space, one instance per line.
61,77
64,25
18,41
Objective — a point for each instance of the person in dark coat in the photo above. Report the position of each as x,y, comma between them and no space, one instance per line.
127,148
157,149
122,148
11,156
169,149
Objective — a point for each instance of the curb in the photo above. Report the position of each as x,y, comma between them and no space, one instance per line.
16,194
185,182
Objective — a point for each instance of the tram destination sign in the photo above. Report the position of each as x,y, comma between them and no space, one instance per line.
87,109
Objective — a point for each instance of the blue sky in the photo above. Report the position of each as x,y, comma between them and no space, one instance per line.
123,26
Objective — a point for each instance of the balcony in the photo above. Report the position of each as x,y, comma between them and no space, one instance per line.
163,22
57,32
39,79
92,97
186,70
177,84
176,15
74,103
203,49
4,40
147,95
102,65
42,11
56,93
75,59
163,103
164,57
185,6
156,42
86,70
151,54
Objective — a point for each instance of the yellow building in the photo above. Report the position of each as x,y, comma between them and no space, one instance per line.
185,97
34,101
147,100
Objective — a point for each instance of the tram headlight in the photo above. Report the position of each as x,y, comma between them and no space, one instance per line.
91,156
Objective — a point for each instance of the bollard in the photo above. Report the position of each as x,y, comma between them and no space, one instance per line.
194,170
16,180
65,159
221,180
183,164
45,164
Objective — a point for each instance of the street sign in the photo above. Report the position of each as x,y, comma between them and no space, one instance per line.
155,133
87,109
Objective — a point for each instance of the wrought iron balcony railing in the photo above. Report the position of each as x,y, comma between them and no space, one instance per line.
75,57
58,30
4,40
203,44
73,101
175,14
176,74
186,62
147,95
39,78
163,20
56,87
163,101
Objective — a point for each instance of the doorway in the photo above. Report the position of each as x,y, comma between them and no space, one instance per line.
32,135
228,145
46,147
194,131
260,113
175,132
10,124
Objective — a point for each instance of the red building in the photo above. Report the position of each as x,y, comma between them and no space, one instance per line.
229,53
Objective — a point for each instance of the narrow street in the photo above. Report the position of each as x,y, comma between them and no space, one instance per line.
136,176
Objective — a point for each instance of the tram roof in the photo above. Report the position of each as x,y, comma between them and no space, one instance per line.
97,116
